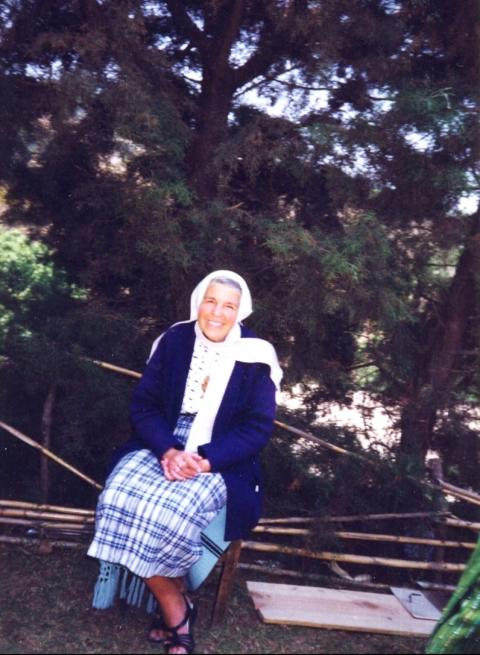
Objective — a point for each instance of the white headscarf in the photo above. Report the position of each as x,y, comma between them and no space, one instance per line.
245,308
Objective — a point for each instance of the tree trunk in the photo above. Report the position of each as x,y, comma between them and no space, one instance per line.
222,25
212,124
435,375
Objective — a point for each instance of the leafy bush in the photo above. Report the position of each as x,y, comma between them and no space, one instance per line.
49,330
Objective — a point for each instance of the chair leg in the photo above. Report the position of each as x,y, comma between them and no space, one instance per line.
225,583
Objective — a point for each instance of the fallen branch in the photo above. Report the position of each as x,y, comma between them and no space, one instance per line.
458,523
117,369
405,539
32,514
321,442
351,518
280,530
465,492
47,508
354,559
32,523
366,536
48,453
466,496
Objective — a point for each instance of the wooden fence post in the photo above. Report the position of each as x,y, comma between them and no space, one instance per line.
46,430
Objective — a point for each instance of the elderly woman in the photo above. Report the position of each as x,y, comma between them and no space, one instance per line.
201,414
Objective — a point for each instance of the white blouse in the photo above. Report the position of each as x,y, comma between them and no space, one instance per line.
204,360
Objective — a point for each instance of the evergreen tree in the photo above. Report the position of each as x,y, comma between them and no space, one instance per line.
128,145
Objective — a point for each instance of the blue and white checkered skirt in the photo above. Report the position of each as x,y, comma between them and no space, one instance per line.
151,525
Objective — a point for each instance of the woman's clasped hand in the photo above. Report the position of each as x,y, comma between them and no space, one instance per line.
179,465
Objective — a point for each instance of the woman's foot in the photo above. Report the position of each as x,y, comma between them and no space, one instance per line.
179,639
157,632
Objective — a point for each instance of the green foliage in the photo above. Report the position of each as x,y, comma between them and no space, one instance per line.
50,331
30,287
304,479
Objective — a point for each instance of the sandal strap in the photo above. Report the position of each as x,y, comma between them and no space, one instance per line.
184,641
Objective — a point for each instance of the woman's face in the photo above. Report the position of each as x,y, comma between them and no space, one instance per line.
218,311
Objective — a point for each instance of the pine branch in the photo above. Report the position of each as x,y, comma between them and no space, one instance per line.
274,42
185,24
266,79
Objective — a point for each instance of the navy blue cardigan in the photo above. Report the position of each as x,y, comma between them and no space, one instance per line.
242,427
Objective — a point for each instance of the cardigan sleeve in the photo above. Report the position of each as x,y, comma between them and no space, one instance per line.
251,431
148,411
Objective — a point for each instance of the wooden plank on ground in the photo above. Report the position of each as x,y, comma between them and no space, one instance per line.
336,609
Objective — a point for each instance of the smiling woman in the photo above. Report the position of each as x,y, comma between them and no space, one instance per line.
201,414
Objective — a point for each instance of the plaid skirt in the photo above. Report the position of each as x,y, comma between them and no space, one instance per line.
151,525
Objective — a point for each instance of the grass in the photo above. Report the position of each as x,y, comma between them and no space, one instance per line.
45,608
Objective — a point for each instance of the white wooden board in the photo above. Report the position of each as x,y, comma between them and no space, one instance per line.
336,609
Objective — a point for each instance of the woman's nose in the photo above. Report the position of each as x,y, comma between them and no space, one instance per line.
217,310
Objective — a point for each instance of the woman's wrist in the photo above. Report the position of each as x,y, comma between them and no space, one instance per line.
205,465
171,452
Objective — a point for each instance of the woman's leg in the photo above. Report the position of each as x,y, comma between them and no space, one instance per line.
170,595
158,634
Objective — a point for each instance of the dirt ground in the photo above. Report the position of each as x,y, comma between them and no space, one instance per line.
45,608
